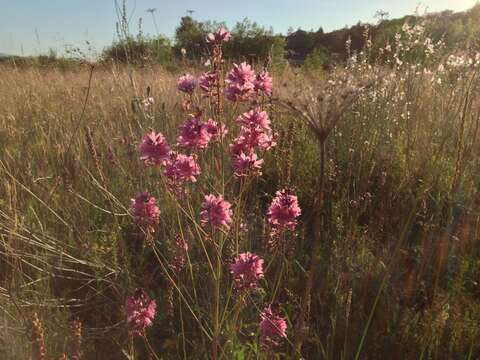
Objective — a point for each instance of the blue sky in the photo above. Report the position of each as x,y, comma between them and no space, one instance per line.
34,26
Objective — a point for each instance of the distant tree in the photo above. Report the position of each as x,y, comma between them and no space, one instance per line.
316,61
190,35
252,42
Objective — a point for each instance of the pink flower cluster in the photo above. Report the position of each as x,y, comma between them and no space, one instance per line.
187,83
140,311
272,326
240,82
196,134
263,83
255,131
284,210
221,35
246,165
208,81
216,212
154,149
181,168
247,270
145,209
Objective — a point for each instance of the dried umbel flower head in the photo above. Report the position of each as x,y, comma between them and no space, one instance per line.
187,83
140,311
154,149
221,35
272,326
284,210
39,351
145,210
216,212
247,270
182,168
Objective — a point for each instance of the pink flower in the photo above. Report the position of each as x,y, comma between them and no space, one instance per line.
266,140
216,131
182,168
208,80
145,209
216,212
245,165
241,144
179,250
250,137
194,134
140,311
263,83
187,83
222,35
284,210
247,270
272,326
154,149
240,84
255,118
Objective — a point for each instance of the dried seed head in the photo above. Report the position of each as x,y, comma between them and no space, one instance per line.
76,339
39,350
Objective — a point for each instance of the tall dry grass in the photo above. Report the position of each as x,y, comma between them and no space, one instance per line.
385,265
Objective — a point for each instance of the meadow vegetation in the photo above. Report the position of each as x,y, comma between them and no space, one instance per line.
200,211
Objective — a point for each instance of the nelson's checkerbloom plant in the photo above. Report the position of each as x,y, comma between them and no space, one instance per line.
273,327
141,311
270,211
154,149
145,210
187,83
216,212
180,168
247,270
194,134
284,210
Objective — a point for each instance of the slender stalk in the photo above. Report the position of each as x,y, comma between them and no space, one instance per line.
314,254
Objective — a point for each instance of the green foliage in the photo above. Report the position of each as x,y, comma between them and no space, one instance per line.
140,49
190,35
316,61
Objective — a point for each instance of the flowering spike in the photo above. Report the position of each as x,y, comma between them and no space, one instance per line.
182,168
284,210
240,84
194,134
247,164
221,35
140,311
272,326
187,84
145,209
247,270
154,149
263,83
216,212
